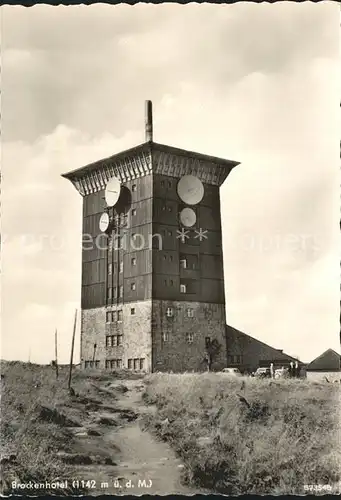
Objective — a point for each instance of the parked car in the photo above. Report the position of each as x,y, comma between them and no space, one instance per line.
282,373
262,373
232,371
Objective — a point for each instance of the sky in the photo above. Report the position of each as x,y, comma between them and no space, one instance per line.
254,83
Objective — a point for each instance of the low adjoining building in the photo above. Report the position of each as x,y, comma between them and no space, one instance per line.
325,367
248,354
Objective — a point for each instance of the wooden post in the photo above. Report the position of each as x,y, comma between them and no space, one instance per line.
93,358
72,347
56,351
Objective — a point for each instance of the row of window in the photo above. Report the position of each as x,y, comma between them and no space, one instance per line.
112,364
169,184
189,337
184,263
113,340
184,288
117,316
116,241
170,312
91,364
136,364
120,266
112,291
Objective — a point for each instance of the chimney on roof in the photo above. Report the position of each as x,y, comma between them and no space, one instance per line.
149,121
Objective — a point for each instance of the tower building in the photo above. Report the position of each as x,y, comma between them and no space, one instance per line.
152,263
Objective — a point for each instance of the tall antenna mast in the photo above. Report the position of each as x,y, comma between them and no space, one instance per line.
149,121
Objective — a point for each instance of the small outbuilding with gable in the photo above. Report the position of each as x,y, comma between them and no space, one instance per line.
325,367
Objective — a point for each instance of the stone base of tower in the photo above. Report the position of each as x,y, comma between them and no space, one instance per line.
179,339
152,336
130,343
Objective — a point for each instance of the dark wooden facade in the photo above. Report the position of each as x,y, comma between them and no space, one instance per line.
149,264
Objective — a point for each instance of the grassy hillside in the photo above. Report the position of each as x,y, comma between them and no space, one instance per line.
35,411
244,436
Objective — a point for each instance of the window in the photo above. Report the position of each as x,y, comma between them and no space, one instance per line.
169,312
119,315
207,341
111,364
171,258
121,266
133,188
121,291
235,359
189,337
188,286
183,263
96,364
108,317
132,310
130,364
171,282
133,261
119,242
188,261
136,364
109,293
123,220
165,336
109,268
133,212
115,292
162,183
169,184
141,363
165,282
164,257
133,286
190,313
113,340
110,244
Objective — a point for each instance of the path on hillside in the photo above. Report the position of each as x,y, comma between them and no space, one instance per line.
143,464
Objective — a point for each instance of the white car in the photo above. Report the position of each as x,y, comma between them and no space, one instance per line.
282,373
232,371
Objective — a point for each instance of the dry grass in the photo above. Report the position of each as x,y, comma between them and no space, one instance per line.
33,434
248,436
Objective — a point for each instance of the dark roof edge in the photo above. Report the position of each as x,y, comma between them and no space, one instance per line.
263,343
90,166
150,145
